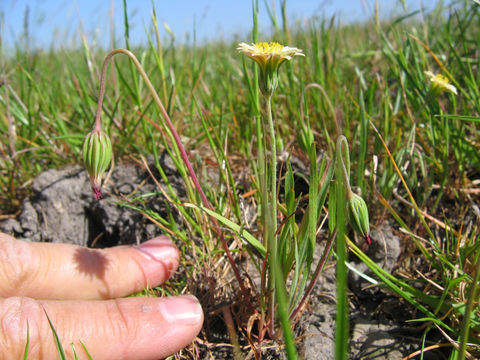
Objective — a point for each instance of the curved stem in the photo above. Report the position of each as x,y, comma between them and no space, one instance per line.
330,107
172,129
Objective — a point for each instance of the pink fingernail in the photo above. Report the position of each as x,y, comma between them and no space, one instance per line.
161,250
158,248
184,310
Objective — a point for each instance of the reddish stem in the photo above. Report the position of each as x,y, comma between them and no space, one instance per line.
206,203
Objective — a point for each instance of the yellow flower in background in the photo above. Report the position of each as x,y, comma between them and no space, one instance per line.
269,56
440,83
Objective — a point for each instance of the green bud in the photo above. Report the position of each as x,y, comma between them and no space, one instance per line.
305,138
358,214
97,155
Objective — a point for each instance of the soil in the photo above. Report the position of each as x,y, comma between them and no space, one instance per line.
63,209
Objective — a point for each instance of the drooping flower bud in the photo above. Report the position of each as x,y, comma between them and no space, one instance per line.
97,155
358,215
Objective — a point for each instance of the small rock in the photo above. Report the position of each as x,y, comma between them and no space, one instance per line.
59,199
11,226
62,208
29,218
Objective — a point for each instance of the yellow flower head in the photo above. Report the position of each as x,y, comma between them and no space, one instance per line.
269,56
264,52
440,83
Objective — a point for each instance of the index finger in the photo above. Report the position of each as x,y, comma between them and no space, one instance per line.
63,271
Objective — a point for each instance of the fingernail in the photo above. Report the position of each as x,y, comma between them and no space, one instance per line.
162,251
184,310
158,248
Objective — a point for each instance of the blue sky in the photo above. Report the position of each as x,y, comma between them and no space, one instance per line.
57,21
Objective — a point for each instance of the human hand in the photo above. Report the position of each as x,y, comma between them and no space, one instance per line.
87,282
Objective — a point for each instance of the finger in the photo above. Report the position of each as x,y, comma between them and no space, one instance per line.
61,271
129,328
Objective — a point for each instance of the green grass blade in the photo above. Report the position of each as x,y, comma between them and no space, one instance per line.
341,320
235,227
86,351
283,311
363,145
58,343
471,298
27,345
462,117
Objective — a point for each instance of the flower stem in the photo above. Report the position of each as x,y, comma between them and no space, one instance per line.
176,137
269,212
273,174
277,280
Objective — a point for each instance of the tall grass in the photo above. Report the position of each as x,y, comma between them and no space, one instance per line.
416,162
